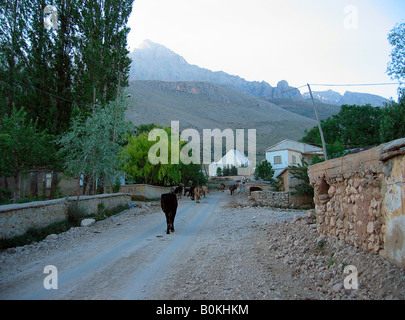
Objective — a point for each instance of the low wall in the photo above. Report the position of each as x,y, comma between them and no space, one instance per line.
360,198
271,198
16,219
145,190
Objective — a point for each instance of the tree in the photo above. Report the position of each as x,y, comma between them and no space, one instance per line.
135,162
102,57
392,124
396,67
264,171
219,172
300,172
14,29
23,147
353,127
91,148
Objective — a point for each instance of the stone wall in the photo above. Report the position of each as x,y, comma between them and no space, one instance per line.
359,198
271,198
16,219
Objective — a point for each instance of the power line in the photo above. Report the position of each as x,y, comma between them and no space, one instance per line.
356,85
41,90
216,105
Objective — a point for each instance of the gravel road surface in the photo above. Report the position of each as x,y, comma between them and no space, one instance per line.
222,249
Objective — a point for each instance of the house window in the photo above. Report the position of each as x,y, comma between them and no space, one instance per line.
294,160
277,159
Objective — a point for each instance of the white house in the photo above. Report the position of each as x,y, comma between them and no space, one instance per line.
289,152
232,158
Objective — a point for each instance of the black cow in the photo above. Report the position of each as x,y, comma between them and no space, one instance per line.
254,189
187,191
192,193
168,202
178,191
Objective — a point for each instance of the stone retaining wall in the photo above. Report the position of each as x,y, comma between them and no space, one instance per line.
360,198
16,219
271,198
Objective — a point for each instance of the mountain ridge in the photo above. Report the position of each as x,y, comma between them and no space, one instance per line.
152,61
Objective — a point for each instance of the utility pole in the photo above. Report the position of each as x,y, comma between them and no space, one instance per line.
319,124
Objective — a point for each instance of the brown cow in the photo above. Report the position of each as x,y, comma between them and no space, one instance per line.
168,203
222,187
204,191
254,189
197,193
233,188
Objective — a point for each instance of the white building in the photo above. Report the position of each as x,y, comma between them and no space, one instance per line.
232,158
289,152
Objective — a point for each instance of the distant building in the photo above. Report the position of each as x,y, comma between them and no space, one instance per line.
289,152
232,158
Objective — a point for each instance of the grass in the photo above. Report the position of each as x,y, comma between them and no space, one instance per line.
73,219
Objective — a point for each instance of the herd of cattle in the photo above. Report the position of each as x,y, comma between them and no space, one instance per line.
169,201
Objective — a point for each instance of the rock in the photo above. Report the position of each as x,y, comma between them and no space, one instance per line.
87,222
337,287
52,236
296,218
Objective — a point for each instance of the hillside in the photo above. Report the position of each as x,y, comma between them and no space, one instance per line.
305,107
203,105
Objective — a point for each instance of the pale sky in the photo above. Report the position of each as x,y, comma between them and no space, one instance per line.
301,41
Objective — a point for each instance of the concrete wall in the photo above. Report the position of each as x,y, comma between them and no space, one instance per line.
360,198
16,219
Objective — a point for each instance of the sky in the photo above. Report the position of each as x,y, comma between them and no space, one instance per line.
301,41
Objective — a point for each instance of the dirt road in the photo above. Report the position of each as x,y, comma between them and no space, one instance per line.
220,250
127,257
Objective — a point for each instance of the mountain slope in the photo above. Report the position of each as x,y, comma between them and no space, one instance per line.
204,105
349,98
305,107
153,61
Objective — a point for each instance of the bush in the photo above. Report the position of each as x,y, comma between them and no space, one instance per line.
75,214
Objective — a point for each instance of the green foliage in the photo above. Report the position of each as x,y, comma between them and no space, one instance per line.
135,162
392,124
396,67
360,126
93,145
44,71
23,147
300,172
75,214
264,171
219,172
229,171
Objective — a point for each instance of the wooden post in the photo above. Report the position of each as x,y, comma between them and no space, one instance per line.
319,125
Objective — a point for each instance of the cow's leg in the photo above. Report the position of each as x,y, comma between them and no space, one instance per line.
168,224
